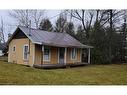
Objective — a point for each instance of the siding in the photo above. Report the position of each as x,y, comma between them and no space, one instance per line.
53,56
17,56
78,59
38,54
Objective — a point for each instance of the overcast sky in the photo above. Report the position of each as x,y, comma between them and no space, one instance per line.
10,22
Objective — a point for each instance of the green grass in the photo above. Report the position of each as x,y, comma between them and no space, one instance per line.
92,74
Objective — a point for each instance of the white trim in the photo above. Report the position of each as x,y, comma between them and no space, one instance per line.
49,54
23,52
89,55
75,53
34,54
13,48
65,55
9,52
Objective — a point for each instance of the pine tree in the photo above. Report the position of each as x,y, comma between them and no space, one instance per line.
46,25
60,24
70,29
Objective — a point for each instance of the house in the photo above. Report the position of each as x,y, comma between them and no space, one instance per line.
36,47
2,48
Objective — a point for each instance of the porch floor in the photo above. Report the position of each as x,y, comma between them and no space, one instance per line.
55,66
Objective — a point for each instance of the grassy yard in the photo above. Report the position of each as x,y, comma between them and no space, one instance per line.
92,74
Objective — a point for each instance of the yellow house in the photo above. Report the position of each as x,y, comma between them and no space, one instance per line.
33,47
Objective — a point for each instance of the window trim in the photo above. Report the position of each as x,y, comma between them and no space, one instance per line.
13,49
75,54
49,54
28,51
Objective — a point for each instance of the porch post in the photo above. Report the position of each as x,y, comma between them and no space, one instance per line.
89,55
65,55
42,54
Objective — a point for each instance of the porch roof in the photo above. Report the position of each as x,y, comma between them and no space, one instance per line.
42,37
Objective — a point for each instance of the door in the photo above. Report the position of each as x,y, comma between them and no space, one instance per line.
61,55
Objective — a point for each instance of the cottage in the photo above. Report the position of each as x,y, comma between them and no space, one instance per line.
37,47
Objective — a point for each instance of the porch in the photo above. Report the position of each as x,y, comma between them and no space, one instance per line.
50,57
58,65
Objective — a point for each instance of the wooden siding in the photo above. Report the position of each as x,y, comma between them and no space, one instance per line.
17,56
38,54
54,56
78,59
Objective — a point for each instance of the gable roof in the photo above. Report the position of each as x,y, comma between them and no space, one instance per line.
42,37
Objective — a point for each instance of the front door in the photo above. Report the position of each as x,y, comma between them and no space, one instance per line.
61,55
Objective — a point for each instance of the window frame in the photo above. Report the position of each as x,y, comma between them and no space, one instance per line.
24,51
73,53
14,50
44,54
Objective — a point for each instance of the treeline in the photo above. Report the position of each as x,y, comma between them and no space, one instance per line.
105,30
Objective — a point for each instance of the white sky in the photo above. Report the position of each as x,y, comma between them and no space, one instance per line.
10,22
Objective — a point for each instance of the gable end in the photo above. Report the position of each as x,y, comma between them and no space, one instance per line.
19,34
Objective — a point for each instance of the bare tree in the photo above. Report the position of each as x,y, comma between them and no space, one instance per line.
37,16
85,17
24,16
2,39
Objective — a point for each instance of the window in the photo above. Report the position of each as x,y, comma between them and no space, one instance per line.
46,56
13,49
25,52
73,53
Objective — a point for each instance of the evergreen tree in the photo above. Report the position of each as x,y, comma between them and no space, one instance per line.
46,25
122,49
98,40
60,24
70,29
80,35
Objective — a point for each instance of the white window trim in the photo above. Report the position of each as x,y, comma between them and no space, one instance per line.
75,53
13,48
49,54
65,55
23,52
33,54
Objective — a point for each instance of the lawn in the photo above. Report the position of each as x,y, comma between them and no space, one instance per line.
92,74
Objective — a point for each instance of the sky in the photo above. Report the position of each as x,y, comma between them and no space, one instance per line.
10,23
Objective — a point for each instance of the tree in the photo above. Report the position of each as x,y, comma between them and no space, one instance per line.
25,16
98,40
70,29
113,18
80,35
86,21
123,35
60,24
2,39
46,25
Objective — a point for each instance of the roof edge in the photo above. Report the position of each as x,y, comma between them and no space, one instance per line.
16,32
